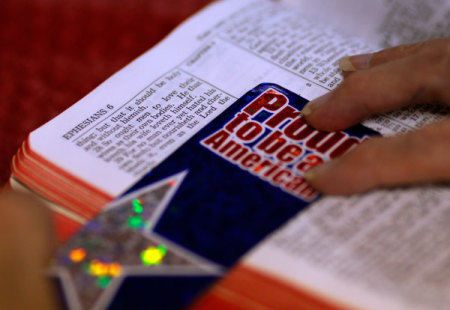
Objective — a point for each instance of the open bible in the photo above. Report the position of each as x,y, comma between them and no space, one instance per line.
366,251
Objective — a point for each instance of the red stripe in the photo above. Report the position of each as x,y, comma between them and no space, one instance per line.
60,187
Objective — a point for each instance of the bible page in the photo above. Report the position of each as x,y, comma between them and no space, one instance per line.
387,249
144,112
384,23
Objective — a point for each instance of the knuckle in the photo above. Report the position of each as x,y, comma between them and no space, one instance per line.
436,53
433,63
432,141
365,154
381,56
358,93
395,52
434,133
355,84
369,158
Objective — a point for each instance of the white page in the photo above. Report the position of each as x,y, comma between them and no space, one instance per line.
383,250
382,22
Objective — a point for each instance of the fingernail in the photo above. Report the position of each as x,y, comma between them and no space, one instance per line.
317,171
355,63
345,64
310,175
315,104
306,110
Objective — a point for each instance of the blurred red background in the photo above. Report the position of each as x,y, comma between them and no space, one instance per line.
54,52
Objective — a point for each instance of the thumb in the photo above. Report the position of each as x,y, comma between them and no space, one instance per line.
26,244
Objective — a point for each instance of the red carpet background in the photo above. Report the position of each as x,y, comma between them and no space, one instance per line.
54,52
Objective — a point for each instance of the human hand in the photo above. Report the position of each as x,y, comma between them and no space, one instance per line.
26,244
376,83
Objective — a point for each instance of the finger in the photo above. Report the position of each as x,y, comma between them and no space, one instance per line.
422,156
366,61
414,79
26,243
